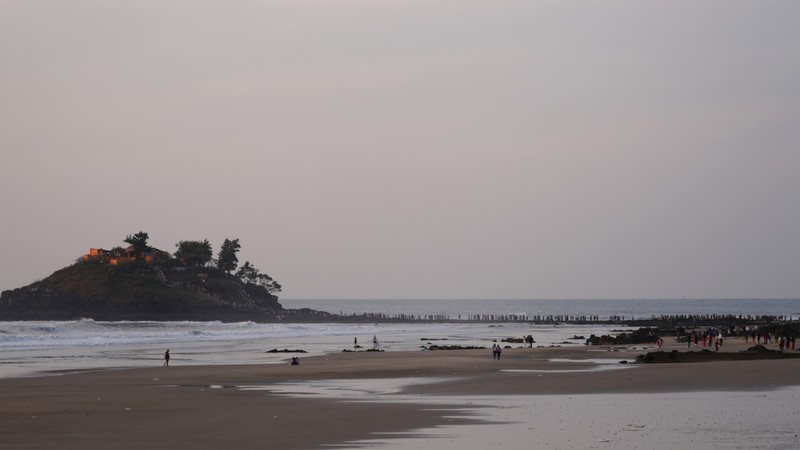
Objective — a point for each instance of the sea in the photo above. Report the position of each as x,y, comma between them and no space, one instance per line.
41,348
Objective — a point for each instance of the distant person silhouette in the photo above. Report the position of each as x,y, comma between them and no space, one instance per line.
166,358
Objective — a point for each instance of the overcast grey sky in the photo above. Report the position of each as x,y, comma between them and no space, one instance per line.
412,149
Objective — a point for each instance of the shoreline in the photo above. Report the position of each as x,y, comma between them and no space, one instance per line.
323,317
208,407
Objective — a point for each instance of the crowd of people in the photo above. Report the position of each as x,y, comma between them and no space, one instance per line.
710,337
784,342
715,337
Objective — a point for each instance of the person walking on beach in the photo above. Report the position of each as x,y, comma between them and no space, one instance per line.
374,342
166,358
496,350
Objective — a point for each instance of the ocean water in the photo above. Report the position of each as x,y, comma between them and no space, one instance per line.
50,347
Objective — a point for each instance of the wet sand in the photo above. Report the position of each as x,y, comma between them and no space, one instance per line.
209,407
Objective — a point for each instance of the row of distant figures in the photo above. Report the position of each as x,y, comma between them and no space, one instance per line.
579,319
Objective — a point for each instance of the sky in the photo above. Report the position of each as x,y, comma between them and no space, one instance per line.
393,149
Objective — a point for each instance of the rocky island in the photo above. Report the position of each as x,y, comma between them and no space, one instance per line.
140,282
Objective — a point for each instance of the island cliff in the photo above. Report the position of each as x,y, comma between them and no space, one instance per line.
138,292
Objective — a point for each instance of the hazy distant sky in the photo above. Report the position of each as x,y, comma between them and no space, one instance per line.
412,149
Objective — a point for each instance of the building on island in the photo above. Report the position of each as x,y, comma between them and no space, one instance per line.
123,256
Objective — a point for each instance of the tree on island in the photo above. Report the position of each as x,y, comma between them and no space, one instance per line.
250,275
138,241
199,254
247,273
194,253
227,261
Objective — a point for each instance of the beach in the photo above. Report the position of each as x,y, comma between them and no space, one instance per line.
375,399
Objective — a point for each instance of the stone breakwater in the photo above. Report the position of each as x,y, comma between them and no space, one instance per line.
576,319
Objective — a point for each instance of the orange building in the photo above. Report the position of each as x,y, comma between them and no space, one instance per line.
122,260
97,255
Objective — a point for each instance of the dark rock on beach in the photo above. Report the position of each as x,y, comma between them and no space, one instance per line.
456,347
758,349
757,352
640,336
